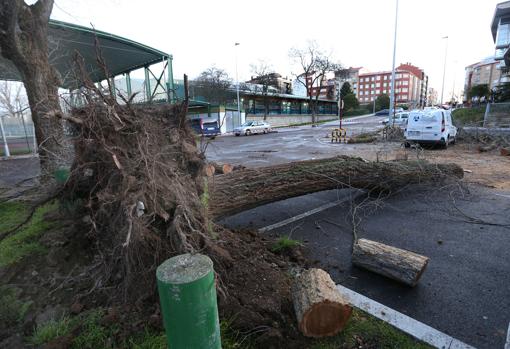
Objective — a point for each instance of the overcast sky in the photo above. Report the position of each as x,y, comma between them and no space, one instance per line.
201,33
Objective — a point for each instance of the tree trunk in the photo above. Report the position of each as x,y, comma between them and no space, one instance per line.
24,41
249,188
320,309
397,264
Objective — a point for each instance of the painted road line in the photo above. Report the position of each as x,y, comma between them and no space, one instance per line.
349,197
507,343
403,322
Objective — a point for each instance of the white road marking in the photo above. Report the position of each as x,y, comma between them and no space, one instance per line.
403,322
503,195
507,343
311,212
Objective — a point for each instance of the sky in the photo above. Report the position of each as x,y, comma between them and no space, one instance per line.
202,33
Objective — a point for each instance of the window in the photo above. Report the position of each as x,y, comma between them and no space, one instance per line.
503,35
373,85
385,84
373,78
405,82
373,92
378,84
385,77
378,77
361,93
404,89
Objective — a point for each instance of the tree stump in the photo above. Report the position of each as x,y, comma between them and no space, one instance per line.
320,309
397,264
222,168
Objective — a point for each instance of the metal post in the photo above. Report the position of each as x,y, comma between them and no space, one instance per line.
128,84
237,83
23,122
6,146
374,104
392,94
171,87
147,85
187,293
444,67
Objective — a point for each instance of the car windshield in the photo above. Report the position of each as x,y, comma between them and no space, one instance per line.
247,123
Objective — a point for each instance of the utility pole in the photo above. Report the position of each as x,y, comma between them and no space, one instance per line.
237,87
444,67
340,102
392,94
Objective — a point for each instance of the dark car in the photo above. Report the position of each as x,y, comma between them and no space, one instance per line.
208,127
384,112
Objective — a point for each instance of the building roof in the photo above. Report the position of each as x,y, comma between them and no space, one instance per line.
120,54
502,9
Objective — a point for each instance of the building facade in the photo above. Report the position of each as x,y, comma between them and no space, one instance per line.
278,83
500,28
411,86
486,72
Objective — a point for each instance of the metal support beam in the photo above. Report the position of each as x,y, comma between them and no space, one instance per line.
147,85
170,83
128,84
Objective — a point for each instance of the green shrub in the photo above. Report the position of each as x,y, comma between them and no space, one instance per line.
50,331
285,243
468,116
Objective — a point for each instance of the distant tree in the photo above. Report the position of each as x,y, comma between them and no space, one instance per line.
265,79
350,101
314,65
479,91
12,99
346,89
382,102
214,85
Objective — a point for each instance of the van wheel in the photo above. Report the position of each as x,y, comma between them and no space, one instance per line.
407,145
444,144
454,140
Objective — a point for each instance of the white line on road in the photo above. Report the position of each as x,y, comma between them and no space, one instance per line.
507,343
403,322
311,212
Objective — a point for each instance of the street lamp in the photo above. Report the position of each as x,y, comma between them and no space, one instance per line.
392,94
444,67
237,87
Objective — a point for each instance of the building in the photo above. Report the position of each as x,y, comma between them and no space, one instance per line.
350,75
411,86
274,80
500,28
485,72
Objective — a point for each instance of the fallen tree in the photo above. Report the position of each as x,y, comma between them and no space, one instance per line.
249,188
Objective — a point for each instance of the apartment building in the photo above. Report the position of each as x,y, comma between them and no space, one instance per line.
500,28
485,72
411,86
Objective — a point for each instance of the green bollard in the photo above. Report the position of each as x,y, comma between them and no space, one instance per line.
187,294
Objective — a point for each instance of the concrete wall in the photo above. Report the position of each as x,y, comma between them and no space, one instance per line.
286,120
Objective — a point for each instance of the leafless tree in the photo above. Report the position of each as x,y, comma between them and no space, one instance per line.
314,65
24,41
12,99
264,78
214,85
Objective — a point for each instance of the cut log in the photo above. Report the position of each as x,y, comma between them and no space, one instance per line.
504,152
400,265
209,170
222,168
320,309
248,188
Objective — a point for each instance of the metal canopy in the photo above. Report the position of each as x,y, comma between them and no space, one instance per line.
121,55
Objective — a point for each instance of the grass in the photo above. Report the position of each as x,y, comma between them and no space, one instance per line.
11,215
24,242
285,243
366,330
363,138
468,116
51,330
12,310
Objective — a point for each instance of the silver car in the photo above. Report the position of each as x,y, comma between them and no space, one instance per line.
252,127
399,120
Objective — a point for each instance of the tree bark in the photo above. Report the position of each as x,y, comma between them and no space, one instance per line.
249,188
397,264
320,309
24,41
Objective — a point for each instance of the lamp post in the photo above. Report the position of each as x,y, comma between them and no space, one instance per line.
392,94
237,86
444,67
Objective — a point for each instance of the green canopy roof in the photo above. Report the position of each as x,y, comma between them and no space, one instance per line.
120,54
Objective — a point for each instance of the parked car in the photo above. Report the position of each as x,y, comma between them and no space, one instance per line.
252,127
208,127
432,126
385,112
400,120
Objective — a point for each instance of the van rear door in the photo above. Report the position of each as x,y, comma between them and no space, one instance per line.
431,125
414,128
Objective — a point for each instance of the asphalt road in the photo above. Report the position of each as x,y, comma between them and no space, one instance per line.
465,291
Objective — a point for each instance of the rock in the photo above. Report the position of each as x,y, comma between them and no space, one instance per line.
76,308
50,313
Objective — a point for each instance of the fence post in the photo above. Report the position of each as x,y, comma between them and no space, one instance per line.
487,111
187,293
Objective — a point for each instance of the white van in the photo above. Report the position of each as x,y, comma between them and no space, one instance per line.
432,126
